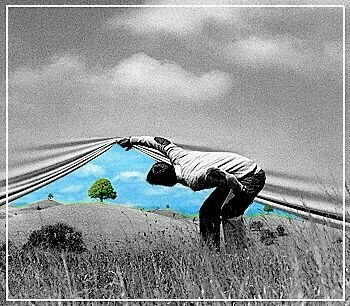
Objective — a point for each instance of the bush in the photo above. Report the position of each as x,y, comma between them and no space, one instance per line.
267,236
268,208
57,237
281,231
256,225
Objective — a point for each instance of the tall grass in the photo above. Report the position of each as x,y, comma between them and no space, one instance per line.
306,264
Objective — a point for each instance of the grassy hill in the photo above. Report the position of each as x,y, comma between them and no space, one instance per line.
99,223
139,254
43,204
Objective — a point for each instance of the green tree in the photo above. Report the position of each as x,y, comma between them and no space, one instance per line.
102,189
50,196
268,208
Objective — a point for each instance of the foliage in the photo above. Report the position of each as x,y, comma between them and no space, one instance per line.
281,231
50,196
256,225
268,236
57,237
268,208
102,189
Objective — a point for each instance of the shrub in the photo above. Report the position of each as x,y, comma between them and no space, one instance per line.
267,236
281,231
256,225
267,208
57,237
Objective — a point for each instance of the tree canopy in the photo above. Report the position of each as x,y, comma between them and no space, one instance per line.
102,189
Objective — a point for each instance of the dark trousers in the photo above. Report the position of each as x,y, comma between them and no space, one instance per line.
223,205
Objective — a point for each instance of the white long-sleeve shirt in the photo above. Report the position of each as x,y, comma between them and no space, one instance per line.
191,166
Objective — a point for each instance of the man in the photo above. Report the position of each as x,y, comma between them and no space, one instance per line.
237,181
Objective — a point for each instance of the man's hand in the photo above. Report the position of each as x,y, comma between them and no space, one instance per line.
220,178
125,143
215,177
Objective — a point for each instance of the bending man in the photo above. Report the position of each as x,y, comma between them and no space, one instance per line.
237,181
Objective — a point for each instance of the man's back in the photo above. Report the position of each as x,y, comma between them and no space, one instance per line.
191,166
194,164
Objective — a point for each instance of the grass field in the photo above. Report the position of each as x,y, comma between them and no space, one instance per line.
133,254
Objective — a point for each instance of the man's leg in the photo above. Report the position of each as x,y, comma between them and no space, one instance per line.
233,209
209,217
232,221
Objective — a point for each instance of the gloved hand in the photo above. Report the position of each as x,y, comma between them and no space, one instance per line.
125,143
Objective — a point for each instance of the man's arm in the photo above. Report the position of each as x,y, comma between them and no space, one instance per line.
159,143
220,178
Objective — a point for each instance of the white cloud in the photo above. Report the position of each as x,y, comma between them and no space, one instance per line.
138,75
150,76
179,21
282,52
59,69
72,188
157,190
90,169
134,175
286,38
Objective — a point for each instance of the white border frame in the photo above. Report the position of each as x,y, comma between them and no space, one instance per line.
178,300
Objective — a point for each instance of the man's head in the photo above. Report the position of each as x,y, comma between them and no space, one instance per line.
162,174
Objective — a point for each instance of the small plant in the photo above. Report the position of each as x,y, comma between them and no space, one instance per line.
268,237
268,208
281,231
102,189
50,196
256,226
57,237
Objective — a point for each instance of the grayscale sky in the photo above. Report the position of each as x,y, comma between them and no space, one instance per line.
264,82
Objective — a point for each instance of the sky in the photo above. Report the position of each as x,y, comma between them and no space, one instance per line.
127,172
263,82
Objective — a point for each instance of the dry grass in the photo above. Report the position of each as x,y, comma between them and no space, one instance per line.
307,263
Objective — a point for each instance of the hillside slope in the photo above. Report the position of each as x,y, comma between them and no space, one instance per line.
115,224
98,223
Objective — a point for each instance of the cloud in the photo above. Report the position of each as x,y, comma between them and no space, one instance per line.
150,76
72,189
178,21
157,190
284,52
66,92
236,22
127,175
305,40
90,170
139,74
58,69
